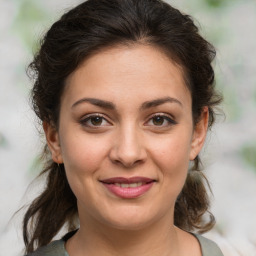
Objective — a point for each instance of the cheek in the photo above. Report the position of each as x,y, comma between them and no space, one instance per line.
172,158
172,152
83,154
174,168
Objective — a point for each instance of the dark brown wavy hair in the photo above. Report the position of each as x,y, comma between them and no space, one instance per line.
82,32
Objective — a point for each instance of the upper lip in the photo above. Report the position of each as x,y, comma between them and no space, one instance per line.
127,180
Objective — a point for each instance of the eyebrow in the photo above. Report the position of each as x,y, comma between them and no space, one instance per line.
157,102
96,102
111,106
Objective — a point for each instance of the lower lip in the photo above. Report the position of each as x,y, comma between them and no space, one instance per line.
128,192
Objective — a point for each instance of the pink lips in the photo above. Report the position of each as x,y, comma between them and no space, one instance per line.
128,187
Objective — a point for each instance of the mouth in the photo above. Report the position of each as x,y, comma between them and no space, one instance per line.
128,187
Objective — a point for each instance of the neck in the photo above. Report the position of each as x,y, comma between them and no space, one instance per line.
158,239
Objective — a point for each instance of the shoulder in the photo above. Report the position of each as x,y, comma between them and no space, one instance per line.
209,248
55,248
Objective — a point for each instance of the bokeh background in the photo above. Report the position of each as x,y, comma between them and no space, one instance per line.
230,151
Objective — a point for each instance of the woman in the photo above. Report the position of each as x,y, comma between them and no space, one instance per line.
125,93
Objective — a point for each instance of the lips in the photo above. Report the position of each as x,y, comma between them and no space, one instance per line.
128,187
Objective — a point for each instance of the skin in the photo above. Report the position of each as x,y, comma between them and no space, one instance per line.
127,141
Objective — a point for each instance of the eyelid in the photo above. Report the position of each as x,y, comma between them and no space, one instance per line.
166,116
87,117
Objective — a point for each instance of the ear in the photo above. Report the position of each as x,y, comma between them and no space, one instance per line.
53,142
199,134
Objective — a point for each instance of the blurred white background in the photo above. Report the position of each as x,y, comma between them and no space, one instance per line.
230,153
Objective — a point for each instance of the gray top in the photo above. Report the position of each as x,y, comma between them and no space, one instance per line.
57,248
208,247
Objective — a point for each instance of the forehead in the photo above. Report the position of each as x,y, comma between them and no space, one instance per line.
135,72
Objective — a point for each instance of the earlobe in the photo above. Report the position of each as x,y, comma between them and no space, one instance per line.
199,134
52,138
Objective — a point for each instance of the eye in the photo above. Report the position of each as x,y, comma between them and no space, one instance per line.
94,121
161,120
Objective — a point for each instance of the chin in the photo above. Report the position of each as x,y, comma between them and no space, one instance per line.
129,225
130,219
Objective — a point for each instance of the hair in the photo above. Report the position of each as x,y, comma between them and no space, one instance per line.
83,31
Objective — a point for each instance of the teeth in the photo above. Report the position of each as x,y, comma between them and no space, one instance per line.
131,185
134,185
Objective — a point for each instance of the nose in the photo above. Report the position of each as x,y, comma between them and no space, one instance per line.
128,148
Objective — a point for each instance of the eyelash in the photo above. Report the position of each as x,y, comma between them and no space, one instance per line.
84,122
170,121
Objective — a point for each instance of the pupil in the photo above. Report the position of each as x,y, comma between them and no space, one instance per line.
158,120
96,120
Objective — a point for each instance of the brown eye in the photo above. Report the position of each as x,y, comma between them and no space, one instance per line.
96,120
161,121
158,120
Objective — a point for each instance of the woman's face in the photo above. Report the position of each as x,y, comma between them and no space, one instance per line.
126,136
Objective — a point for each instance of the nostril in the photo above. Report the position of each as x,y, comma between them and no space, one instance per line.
127,152
127,164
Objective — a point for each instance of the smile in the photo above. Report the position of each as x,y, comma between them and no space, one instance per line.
128,187
131,185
